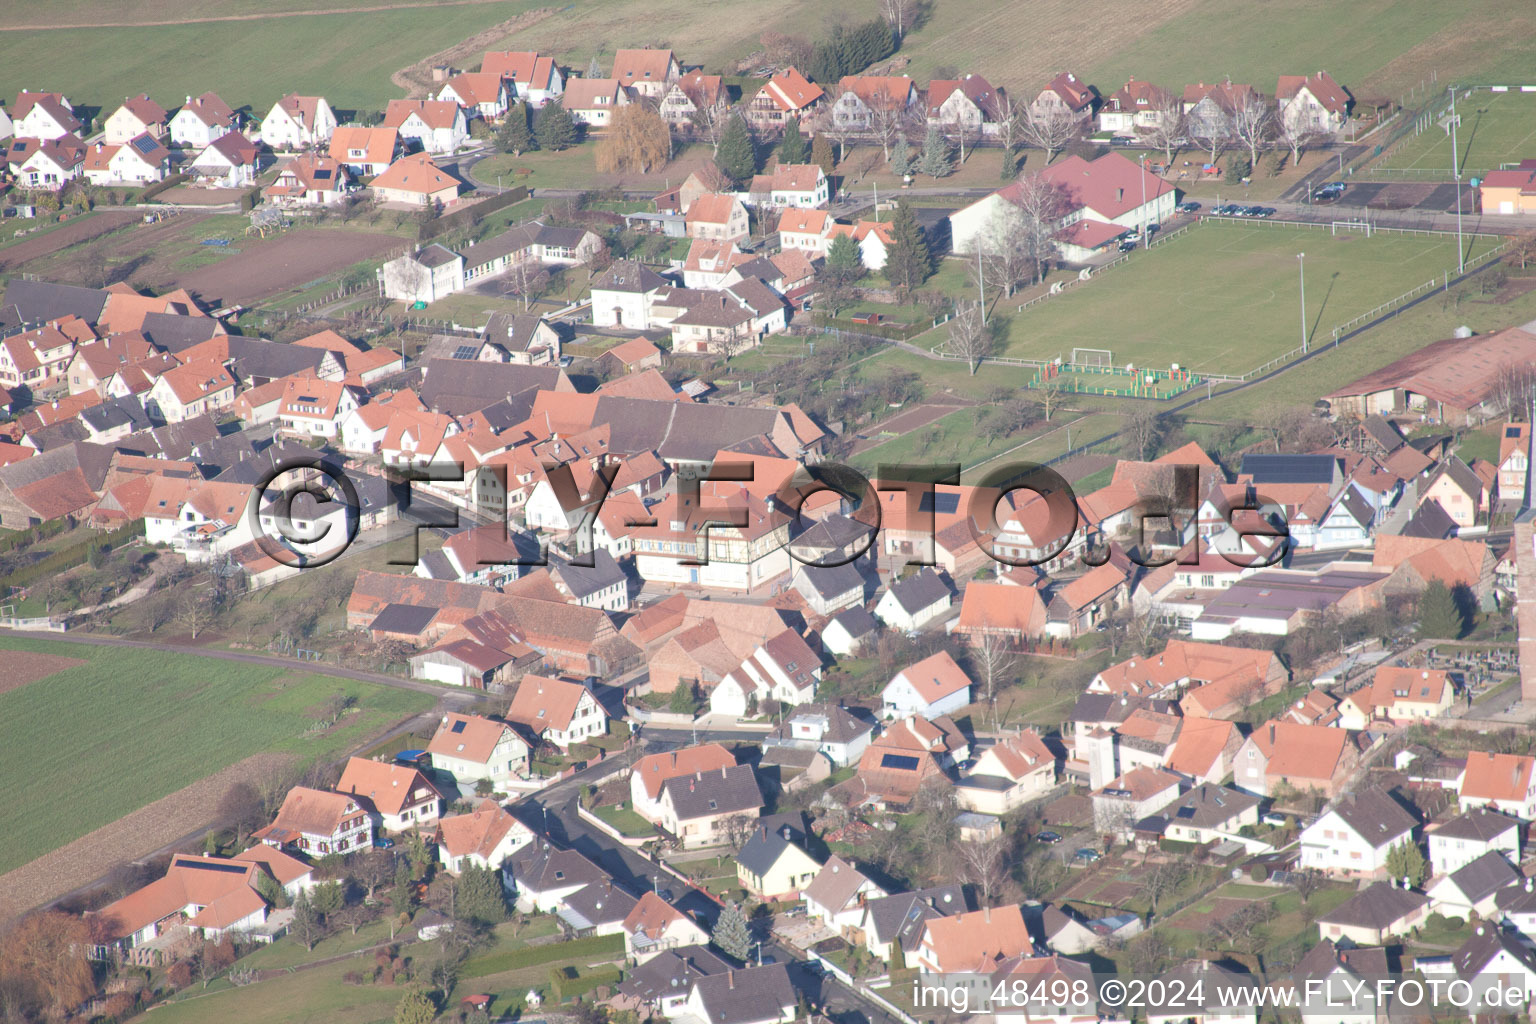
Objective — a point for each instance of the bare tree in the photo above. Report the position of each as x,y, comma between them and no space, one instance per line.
710,123
968,336
527,280
1253,121
1006,254
1042,204
738,829
194,612
960,132
1522,250
1050,395
1294,136
1050,127
840,132
1142,430
887,119
1168,128
1513,387
900,15
784,50
1213,130
1009,118
984,863
1164,878
993,660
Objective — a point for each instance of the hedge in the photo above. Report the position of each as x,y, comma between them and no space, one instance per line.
33,533
570,983
470,214
593,946
906,332
161,186
75,554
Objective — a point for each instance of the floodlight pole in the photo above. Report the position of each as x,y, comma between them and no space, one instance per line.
1301,264
1141,165
1461,261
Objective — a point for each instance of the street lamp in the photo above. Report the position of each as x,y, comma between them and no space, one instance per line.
1301,266
1461,263
1142,165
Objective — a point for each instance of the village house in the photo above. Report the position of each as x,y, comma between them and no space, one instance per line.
829,729
1305,757
471,748
439,125
914,601
893,927
1376,914
807,230
1354,836
1312,104
192,389
648,72
533,79
48,164
1397,695
837,897
397,797
651,771
543,877
482,94
484,838
653,927
746,558
773,864
229,161
1065,94
592,101
697,808
298,122
43,115
557,711
964,104
973,941
308,180
787,94
417,181
694,98
718,216
783,668
318,822
427,274
1501,782
1458,842
862,100
935,686
622,295
1208,109
364,151
202,120
1136,107
803,186
1126,800
139,115
1008,774
1472,890
1210,813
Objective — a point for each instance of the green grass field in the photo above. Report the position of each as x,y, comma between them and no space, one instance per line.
1224,298
1496,128
87,745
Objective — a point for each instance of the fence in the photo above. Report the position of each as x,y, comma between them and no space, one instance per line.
471,214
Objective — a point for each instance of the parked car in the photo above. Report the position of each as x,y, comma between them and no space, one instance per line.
1126,244
1122,140
1276,819
1051,838
1189,207
1328,193
382,842
1087,855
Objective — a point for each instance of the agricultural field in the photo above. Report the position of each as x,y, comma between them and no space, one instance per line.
1496,128
1224,297
127,727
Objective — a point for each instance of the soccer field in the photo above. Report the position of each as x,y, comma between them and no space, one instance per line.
1225,297
1496,128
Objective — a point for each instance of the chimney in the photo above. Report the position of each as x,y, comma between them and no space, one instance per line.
1271,733
730,978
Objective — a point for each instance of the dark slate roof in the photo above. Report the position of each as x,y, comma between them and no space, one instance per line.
1481,878
1358,508
1460,473
57,435
1375,815
1487,942
1268,468
671,973
751,994
436,255
1431,521
1384,432
176,441
455,386
539,867
255,464
1325,958
900,917
628,276
408,619
1108,707
41,301
510,412
174,332
581,581
833,533
857,622
766,845
705,794
600,903
923,589
126,411
257,360
842,725
513,331
1481,824
833,580
1377,906
437,566
689,431
1518,898
1207,805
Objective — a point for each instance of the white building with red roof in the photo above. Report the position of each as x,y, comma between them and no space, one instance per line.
533,79
138,161
648,72
298,122
782,668
43,115
787,94
481,94
318,822
229,161
483,838
201,120
934,686
1312,103
139,115
592,101
789,185
439,125
397,796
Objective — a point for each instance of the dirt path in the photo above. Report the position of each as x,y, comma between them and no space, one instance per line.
933,409
131,837
253,17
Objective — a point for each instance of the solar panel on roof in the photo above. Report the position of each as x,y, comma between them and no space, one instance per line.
466,351
457,727
322,174
145,144
905,762
944,503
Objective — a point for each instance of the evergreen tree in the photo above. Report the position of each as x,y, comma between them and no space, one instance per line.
731,934
594,69
736,156
901,158
793,149
844,263
826,63
1406,860
403,896
907,261
555,130
481,897
415,1007
1010,164
515,136
822,155
682,702
934,160
1440,617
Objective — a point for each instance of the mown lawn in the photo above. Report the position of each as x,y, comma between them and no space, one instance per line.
90,743
1495,128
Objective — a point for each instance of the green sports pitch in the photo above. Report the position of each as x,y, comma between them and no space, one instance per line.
1496,128
1225,297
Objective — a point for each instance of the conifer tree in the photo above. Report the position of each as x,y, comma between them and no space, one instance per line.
901,158
934,160
736,156
731,934
515,136
907,261
555,130
822,155
793,149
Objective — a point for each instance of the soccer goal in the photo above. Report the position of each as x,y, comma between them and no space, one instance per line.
1352,227
1102,358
